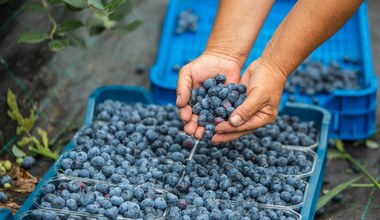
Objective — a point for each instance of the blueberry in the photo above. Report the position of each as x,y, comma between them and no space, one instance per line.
223,94
111,213
209,83
28,162
71,204
215,102
220,78
67,163
116,200
3,197
221,112
58,203
241,88
97,162
197,108
233,96
338,197
160,203
286,196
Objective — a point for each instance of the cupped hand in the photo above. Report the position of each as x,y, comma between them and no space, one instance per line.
193,75
265,84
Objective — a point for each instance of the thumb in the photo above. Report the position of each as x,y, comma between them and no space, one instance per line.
253,103
183,87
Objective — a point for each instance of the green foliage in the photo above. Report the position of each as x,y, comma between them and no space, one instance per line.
25,125
106,15
32,37
69,26
58,45
129,27
17,152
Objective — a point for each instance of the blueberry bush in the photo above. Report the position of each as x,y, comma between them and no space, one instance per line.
104,15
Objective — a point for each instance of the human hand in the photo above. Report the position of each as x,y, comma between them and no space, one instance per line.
265,84
193,75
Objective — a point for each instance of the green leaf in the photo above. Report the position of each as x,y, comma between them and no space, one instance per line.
33,6
14,112
69,26
97,4
334,154
323,200
28,122
32,37
24,141
113,5
79,4
54,2
121,11
76,40
95,25
44,137
17,152
129,27
58,45
20,130
371,144
340,146
325,191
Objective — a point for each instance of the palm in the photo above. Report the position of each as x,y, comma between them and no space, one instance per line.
208,66
192,76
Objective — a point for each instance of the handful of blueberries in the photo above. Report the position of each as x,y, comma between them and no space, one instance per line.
214,102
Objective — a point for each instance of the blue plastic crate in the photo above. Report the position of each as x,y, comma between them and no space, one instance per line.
129,94
353,112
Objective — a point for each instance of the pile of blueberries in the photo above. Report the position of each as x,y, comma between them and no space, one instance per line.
130,153
214,102
110,201
187,21
314,77
288,130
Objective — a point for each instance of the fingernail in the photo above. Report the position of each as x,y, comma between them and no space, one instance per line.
178,99
236,120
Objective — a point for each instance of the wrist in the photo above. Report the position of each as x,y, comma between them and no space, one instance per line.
226,53
271,67
271,62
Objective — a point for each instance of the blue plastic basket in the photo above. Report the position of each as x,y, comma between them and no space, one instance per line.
137,94
353,112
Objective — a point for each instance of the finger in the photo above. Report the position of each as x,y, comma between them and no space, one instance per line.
199,132
183,87
232,78
254,102
185,113
223,138
257,121
191,126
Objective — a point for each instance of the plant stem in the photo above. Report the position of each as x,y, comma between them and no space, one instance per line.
45,4
362,185
45,153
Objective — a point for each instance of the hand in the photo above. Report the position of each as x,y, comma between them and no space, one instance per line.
265,84
193,75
